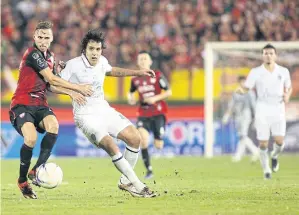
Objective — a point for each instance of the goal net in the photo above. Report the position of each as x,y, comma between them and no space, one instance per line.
224,62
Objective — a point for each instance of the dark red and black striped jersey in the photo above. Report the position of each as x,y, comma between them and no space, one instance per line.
31,88
146,87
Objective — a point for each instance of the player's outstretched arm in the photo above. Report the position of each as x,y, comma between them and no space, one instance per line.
77,97
121,72
241,90
54,80
152,100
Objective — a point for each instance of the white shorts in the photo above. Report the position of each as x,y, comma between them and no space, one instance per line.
270,119
107,121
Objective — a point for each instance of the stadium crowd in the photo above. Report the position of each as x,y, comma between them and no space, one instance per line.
173,30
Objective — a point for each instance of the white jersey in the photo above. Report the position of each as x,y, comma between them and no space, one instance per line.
269,85
270,108
79,71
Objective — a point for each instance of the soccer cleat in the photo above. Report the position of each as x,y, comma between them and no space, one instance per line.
144,193
147,193
26,190
275,165
149,175
267,176
32,177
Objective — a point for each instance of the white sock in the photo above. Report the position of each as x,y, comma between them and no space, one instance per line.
251,146
277,149
124,167
131,155
265,160
240,150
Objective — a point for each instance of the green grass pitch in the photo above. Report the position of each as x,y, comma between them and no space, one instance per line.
187,185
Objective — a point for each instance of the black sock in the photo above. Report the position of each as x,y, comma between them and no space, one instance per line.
46,147
146,159
25,159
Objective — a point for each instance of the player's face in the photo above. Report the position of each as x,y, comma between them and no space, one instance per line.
144,61
93,52
43,38
269,56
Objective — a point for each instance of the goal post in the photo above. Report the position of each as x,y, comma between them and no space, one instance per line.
230,50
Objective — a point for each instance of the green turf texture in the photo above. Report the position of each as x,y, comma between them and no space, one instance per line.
186,185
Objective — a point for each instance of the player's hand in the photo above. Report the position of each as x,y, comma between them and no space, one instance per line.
85,89
78,98
61,65
147,72
150,100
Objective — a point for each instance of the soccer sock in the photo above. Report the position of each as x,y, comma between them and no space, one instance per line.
46,147
251,146
124,167
277,149
25,159
265,160
131,155
240,150
146,159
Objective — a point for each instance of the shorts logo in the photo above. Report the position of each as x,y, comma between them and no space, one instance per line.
22,115
93,137
50,109
139,123
162,131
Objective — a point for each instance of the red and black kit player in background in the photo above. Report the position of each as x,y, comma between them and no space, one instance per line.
152,107
29,110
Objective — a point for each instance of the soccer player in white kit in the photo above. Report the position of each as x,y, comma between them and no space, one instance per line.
273,85
100,122
242,108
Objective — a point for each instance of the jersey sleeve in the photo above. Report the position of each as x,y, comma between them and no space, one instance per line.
250,80
66,73
287,81
133,88
36,61
163,82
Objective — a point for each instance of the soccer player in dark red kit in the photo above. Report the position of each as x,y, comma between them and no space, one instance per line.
152,107
29,110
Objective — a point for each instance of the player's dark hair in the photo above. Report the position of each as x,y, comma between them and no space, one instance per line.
145,52
94,35
241,78
44,25
269,46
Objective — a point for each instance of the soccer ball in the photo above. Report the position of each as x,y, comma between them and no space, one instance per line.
49,175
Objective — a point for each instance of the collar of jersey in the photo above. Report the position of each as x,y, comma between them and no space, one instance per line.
48,52
87,64
275,67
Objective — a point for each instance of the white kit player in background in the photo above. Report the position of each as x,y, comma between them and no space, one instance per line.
273,86
242,108
96,119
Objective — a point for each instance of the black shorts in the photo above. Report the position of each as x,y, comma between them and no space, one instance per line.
156,124
20,114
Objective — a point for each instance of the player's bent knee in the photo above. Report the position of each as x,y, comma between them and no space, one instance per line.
107,143
263,144
53,128
279,140
30,140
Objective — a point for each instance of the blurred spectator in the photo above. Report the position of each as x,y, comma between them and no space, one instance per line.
173,31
